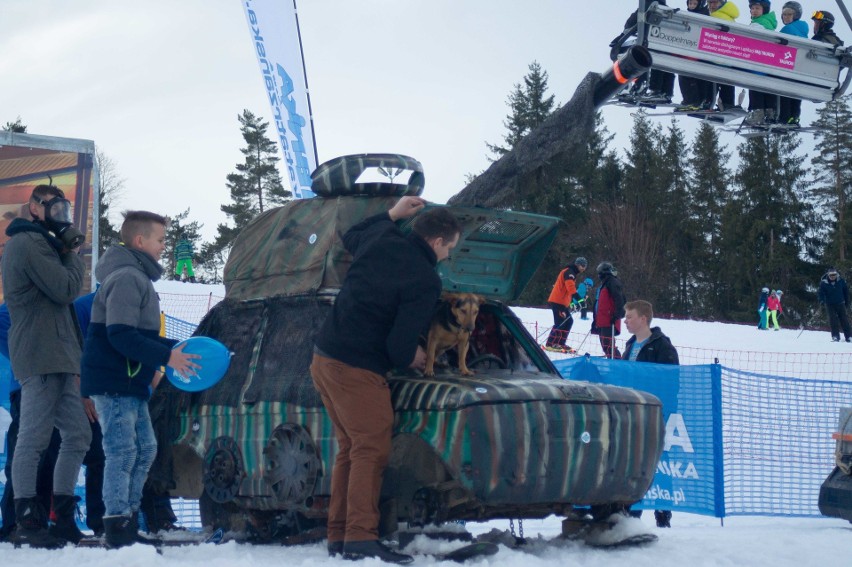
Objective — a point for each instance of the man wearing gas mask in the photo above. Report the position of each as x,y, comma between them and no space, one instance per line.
42,276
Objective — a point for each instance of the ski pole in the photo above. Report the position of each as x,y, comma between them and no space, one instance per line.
807,323
588,334
557,327
612,341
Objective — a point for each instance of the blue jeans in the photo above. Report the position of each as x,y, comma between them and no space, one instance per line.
129,448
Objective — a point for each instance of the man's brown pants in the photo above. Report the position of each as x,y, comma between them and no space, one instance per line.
358,403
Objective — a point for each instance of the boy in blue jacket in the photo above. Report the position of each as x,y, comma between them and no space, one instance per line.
121,361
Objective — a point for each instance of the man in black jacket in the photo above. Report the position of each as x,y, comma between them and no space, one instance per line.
834,295
647,345
385,304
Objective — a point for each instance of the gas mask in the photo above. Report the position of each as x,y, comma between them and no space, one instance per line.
57,217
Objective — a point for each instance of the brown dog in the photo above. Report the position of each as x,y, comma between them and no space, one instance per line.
451,327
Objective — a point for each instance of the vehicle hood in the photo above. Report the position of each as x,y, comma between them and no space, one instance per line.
504,386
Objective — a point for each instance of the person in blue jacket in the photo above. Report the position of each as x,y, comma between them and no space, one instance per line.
762,312
584,290
834,295
790,109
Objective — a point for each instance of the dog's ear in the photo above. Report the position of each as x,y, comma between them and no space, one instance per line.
450,297
480,299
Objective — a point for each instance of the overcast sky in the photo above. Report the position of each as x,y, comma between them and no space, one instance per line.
158,84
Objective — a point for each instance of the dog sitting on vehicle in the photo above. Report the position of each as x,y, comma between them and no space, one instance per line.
451,326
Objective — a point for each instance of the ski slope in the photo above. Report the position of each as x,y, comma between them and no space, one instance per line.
693,541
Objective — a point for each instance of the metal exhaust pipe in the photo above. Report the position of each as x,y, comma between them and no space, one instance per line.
634,62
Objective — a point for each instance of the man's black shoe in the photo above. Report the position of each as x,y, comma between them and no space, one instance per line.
354,550
335,548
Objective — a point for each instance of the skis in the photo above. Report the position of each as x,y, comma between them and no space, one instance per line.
616,532
470,551
753,130
190,538
559,349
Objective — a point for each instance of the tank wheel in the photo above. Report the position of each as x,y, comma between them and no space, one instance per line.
291,464
223,470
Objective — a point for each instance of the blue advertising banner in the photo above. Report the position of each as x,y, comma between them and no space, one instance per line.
689,475
274,30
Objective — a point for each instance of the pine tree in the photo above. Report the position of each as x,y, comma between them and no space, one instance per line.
833,175
764,236
110,189
256,185
17,127
624,229
643,186
179,226
673,289
709,188
529,106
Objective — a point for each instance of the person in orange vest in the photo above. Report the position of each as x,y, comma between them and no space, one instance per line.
564,292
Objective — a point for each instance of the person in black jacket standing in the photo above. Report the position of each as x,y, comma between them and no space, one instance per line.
834,295
385,304
647,345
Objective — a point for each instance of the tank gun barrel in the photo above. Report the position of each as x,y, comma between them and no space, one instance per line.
631,64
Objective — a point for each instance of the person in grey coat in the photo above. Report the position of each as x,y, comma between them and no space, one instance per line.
42,276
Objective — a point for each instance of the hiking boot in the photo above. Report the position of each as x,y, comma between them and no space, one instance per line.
849,339
335,548
663,518
65,507
353,550
139,536
119,531
835,339
31,526
158,514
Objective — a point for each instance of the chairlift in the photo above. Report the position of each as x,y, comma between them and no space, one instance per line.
749,57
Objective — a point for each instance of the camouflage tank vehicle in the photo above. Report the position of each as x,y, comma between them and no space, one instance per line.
514,441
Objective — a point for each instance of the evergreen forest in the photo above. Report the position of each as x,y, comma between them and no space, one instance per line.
694,226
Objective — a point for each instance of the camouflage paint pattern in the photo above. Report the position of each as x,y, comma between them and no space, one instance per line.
522,439
339,176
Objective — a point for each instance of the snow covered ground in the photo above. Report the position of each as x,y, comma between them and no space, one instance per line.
693,540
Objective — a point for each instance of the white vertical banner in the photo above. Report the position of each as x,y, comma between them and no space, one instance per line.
275,35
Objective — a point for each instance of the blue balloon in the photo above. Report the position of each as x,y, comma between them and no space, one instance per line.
214,362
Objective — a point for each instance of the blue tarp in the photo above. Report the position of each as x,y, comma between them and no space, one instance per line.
689,476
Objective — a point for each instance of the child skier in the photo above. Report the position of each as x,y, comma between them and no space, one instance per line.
584,290
761,308
773,304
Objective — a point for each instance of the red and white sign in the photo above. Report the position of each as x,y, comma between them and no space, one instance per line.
748,49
